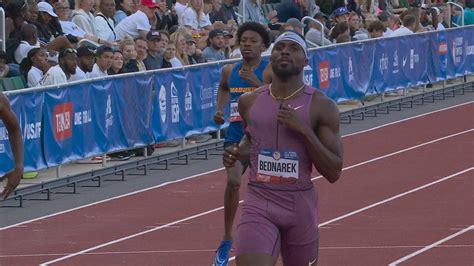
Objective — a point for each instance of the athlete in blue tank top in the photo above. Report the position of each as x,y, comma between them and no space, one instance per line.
237,79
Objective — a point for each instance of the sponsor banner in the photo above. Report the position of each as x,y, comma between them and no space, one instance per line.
437,62
457,40
414,59
28,108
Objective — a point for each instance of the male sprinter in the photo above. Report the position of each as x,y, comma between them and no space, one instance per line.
289,128
238,79
16,142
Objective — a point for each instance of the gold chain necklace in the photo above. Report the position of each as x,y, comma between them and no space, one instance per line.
284,98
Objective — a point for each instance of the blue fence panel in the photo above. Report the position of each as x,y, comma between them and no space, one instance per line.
437,62
456,52
28,108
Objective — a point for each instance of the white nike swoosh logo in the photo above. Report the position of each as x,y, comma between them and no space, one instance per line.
298,107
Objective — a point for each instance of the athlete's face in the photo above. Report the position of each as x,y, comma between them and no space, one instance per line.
251,45
288,59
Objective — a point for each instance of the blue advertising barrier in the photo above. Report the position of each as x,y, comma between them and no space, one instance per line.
77,121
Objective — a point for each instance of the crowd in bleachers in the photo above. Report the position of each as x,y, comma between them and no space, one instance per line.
56,41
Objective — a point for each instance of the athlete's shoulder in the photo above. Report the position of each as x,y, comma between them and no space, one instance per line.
324,105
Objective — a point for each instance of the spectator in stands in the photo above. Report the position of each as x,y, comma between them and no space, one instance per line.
31,11
15,13
85,63
4,69
127,47
180,7
179,40
124,9
468,14
68,27
117,64
409,26
388,21
213,51
141,46
341,28
228,12
254,12
48,25
34,66
295,25
207,10
138,24
194,19
170,53
194,54
103,62
314,33
83,17
228,43
341,15
434,17
216,13
60,73
29,40
104,21
157,42
165,18
342,38
376,29
354,23
354,6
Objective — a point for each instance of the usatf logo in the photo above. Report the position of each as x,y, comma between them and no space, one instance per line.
162,103
174,104
63,121
308,75
323,70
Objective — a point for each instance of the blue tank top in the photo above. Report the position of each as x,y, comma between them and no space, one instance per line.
237,87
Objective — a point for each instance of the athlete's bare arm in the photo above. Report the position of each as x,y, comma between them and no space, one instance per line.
323,139
16,143
223,94
268,74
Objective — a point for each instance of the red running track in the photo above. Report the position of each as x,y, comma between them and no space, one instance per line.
381,234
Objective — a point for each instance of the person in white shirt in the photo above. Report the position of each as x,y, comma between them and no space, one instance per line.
104,21
194,18
104,56
83,16
34,66
409,26
388,21
180,6
85,62
138,24
60,73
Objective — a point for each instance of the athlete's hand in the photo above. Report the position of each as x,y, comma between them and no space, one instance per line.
230,156
13,177
247,74
219,118
289,117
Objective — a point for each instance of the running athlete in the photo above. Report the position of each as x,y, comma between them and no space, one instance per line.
16,142
289,128
237,79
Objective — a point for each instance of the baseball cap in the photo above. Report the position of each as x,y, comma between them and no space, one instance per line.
321,14
153,35
46,7
85,51
294,22
227,33
148,3
293,36
341,11
189,38
216,33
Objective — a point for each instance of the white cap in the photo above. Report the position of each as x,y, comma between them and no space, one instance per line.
292,36
46,7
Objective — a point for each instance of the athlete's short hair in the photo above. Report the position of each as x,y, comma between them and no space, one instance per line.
256,27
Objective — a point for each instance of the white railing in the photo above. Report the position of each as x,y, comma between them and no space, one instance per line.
3,40
449,12
303,20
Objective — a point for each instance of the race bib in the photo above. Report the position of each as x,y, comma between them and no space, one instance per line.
234,112
276,167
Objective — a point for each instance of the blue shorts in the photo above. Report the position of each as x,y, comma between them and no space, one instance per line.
235,132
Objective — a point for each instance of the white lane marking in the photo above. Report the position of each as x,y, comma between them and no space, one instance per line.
437,243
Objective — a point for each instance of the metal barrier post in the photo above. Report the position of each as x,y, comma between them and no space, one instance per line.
2,30
58,171
462,12
303,20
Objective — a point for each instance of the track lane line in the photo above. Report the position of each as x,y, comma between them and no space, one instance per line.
315,178
216,170
437,243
